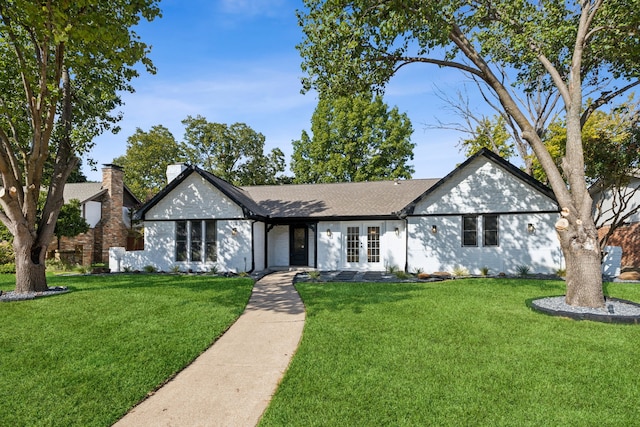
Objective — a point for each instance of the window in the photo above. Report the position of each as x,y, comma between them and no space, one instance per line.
211,249
196,241
469,230
490,230
373,244
353,244
181,240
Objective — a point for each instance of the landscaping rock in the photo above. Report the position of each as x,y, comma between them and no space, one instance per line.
629,275
441,274
424,276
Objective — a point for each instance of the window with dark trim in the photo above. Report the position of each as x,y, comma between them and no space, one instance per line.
211,248
196,240
469,230
490,230
181,240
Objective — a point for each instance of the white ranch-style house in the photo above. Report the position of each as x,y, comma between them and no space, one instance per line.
486,213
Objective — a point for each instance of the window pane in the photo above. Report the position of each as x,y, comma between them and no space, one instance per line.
181,251
210,241
469,230
196,241
373,244
181,240
490,227
353,244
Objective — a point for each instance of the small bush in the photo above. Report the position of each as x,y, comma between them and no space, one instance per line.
402,275
8,268
150,269
7,255
460,271
213,269
418,271
391,268
127,269
561,272
314,275
175,269
58,265
523,270
81,269
484,271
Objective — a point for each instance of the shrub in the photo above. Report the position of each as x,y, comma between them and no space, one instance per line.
7,255
8,268
561,272
314,275
418,271
175,269
523,270
150,269
391,268
484,271
127,269
402,275
460,271
213,269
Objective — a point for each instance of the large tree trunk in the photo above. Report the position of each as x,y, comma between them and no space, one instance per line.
579,243
30,267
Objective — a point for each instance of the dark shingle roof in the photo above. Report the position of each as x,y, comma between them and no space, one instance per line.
353,199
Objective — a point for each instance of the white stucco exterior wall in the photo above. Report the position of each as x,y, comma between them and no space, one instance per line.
332,252
194,199
92,213
484,188
629,196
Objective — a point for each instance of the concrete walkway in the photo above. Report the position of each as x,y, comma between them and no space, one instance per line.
232,382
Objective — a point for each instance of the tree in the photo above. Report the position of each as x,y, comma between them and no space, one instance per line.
358,45
70,221
63,64
489,133
234,153
354,139
146,159
612,156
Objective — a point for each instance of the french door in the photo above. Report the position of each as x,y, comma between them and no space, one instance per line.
362,245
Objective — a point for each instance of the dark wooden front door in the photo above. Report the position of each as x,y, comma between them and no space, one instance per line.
298,238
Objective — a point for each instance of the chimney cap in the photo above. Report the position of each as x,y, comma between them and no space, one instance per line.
112,166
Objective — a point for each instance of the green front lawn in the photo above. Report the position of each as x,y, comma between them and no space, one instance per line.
464,352
86,357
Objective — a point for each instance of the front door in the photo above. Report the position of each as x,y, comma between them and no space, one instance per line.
298,238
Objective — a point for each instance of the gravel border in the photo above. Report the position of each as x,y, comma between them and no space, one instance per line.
14,296
615,310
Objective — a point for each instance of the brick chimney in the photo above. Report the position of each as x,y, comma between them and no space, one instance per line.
114,230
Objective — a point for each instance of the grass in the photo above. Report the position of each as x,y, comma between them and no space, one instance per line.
86,357
465,352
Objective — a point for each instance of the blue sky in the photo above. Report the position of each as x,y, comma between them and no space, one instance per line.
235,61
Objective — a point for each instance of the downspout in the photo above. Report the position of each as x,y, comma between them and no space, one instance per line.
253,247
315,249
406,245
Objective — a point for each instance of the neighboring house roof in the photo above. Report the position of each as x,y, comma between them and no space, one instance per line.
336,200
83,191
88,191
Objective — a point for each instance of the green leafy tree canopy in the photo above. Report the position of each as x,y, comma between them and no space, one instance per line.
355,138
63,64
146,159
234,152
